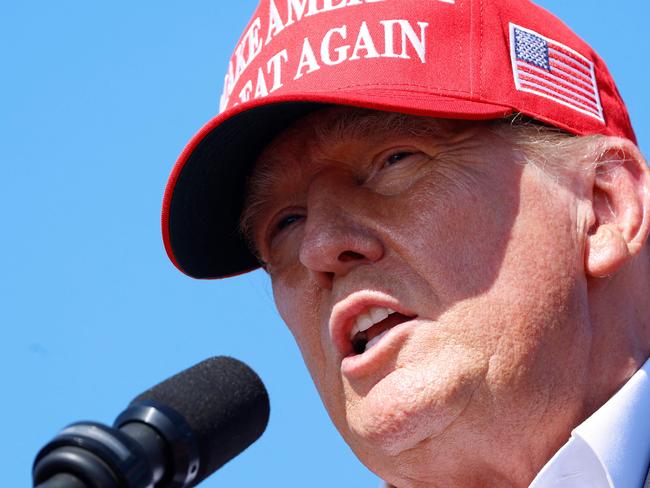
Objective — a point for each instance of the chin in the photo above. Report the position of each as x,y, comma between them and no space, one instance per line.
389,432
405,409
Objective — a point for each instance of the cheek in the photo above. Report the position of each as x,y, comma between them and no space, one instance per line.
457,239
544,251
297,307
299,304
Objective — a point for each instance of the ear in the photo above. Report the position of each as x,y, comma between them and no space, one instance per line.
621,207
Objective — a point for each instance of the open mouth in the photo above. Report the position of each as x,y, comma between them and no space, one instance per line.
371,325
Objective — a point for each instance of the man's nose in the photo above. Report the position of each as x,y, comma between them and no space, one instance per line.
338,233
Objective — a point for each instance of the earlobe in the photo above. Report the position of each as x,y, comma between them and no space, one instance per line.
621,208
606,251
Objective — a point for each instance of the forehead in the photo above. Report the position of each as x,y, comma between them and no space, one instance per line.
331,127
332,133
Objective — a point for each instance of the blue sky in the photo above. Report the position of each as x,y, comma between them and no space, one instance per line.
98,99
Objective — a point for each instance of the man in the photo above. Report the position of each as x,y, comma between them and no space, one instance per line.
449,201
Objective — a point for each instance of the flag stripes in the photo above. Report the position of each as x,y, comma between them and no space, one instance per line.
551,70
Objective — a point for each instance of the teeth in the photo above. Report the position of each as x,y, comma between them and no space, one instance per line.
379,313
363,322
369,318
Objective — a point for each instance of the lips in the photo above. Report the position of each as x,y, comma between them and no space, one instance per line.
359,322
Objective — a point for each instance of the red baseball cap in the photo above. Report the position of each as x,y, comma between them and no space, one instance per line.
461,59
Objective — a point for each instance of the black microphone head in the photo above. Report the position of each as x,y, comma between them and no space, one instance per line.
224,403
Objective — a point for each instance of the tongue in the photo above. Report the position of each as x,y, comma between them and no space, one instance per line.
391,321
362,338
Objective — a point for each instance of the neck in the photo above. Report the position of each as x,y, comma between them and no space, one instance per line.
619,312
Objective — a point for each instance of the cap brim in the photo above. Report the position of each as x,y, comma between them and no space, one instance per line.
207,187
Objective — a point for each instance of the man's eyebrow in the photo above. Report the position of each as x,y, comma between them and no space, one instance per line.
357,123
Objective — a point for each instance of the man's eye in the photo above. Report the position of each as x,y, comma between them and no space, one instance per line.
397,157
286,221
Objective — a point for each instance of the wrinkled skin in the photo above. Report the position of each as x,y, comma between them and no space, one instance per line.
487,251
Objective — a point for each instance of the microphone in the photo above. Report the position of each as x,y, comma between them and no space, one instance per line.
172,436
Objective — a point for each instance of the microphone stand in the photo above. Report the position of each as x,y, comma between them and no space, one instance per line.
148,442
63,480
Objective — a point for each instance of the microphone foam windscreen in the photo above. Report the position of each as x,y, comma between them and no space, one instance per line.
224,402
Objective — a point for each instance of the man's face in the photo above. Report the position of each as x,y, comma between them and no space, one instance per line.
472,252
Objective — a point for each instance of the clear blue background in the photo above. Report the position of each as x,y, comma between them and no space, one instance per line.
97,101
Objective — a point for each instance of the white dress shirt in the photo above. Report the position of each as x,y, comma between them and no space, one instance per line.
611,449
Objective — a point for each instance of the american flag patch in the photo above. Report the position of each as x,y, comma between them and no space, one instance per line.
554,71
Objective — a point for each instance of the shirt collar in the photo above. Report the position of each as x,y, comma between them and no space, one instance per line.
609,449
